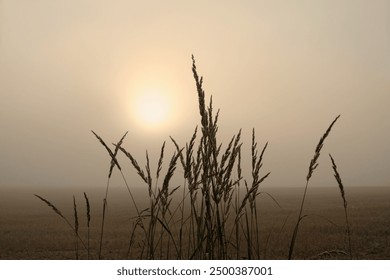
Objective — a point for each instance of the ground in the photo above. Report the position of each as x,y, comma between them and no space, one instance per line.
29,229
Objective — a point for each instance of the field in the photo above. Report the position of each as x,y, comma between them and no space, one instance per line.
217,212
29,230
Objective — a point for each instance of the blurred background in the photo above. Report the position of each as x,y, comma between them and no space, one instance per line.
285,68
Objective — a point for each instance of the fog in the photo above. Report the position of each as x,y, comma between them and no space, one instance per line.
285,69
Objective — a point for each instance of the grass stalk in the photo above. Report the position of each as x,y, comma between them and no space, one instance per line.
313,165
342,192
88,209
114,162
76,227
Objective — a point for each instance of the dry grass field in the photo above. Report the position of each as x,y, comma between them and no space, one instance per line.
215,213
29,230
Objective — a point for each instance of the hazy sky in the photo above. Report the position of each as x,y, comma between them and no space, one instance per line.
286,68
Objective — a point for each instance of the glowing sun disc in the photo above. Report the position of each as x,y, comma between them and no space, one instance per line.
152,109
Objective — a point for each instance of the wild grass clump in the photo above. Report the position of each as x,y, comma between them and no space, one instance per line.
214,213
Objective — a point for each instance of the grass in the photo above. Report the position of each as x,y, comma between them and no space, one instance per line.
216,214
342,192
88,207
73,228
313,165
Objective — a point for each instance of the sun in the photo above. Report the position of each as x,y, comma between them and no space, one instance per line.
154,100
152,109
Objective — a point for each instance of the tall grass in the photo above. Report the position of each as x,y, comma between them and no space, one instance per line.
313,165
342,192
214,213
